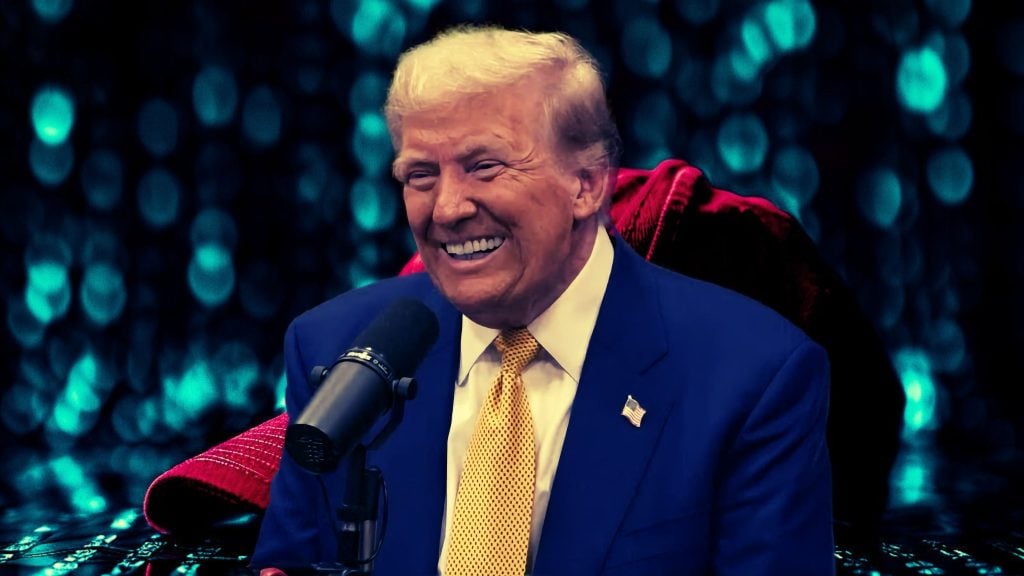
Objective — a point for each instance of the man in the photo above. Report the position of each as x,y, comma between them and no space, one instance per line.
583,411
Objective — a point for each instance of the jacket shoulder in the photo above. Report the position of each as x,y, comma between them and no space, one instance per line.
353,310
731,319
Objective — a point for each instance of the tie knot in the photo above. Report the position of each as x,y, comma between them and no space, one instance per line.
518,347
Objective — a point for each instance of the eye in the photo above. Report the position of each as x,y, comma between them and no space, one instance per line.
487,168
419,178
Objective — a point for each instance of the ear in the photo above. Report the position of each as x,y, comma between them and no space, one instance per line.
592,189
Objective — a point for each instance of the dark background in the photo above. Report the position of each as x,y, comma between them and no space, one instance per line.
227,168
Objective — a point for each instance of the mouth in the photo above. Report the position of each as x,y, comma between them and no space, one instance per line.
474,249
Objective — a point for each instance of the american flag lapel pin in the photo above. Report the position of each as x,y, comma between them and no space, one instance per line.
633,411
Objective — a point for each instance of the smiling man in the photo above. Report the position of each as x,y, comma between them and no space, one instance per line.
583,412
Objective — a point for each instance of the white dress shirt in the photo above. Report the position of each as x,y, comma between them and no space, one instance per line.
563,332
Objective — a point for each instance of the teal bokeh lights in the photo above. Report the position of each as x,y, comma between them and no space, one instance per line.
947,345
187,397
371,144
794,176
213,226
158,127
53,115
84,495
647,47
368,92
52,10
102,293
23,408
159,196
23,324
211,274
88,384
48,304
51,165
742,142
914,367
48,289
238,373
790,23
378,27
953,119
654,119
952,13
214,96
880,196
757,48
921,80
261,117
373,205
950,175
913,480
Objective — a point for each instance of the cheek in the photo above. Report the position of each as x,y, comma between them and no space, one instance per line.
417,209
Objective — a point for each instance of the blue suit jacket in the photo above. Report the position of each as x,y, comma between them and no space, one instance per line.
728,473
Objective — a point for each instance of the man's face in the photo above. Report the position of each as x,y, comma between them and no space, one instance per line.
491,205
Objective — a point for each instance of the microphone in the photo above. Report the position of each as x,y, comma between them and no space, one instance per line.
361,385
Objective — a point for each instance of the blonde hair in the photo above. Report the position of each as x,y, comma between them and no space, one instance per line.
471,60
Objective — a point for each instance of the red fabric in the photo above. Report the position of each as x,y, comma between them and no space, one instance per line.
231,478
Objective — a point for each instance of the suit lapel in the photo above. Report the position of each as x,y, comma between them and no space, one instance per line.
604,455
413,460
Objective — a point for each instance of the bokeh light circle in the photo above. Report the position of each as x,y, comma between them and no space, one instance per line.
950,175
373,204
880,196
53,114
261,117
52,11
51,165
646,47
378,27
102,293
371,143
214,96
158,127
921,80
211,274
742,142
795,174
213,225
790,23
159,196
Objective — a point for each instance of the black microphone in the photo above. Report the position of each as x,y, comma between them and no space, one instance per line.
361,385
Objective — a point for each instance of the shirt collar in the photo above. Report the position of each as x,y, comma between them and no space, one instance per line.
565,328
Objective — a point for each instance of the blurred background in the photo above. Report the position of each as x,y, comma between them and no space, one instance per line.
179,179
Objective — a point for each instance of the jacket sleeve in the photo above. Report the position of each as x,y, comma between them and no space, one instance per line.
297,529
774,510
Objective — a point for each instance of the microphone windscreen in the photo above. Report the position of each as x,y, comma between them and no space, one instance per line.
403,334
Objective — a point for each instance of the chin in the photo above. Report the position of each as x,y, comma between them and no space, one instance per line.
479,307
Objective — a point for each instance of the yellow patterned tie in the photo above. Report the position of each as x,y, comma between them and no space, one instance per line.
494,504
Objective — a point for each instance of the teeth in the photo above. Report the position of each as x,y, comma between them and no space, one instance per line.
470,247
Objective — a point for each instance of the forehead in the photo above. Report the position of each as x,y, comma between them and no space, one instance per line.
502,119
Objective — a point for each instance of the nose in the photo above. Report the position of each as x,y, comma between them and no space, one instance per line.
453,203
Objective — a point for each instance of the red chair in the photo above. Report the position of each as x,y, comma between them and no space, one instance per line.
674,217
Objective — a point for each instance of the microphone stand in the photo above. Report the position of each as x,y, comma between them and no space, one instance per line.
358,513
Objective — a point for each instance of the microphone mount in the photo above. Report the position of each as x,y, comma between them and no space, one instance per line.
358,542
